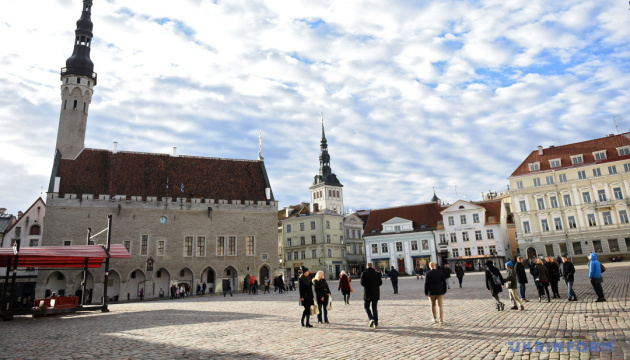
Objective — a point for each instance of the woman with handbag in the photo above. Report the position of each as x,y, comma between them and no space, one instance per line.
306,295
323,294
345,287
494,283
543,280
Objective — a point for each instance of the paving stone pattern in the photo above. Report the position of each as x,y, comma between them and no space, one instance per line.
267,326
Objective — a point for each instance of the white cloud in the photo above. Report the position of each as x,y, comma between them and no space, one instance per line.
445,93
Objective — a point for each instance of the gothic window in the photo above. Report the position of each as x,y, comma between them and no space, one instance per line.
65,103
74,107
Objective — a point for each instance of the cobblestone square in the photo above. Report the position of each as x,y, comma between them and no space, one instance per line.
267,326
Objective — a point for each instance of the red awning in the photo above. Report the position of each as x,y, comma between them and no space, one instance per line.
62,256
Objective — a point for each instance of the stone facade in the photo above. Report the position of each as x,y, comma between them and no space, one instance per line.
136,221
355,253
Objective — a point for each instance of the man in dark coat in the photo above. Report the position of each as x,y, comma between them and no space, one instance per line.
393,276
434,289
371,282
306,295
459,272
521,277
568,272
446,269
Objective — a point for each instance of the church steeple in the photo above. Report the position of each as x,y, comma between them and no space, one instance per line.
324,157
326,191
77,86
79,63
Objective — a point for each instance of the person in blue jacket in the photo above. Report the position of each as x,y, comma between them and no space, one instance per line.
595,274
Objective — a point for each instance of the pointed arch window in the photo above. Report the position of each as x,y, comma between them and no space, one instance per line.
74,107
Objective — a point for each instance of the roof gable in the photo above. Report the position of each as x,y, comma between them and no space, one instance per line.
423,217
396,220
585,148
455,207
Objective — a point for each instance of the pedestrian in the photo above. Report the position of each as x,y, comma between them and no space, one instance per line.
595,270
421,271
292,283
568,272
345,286
306,295
203,288
198,289
161,293
275,284
246,286
228,288
141,294
510,284
322,293
434,289
543,280
446,269
554,276
494,283
371,282
393,276
255,286
459,272
521,277
280,284
252,284
266,285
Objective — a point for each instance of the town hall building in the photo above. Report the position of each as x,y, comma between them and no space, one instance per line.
185,220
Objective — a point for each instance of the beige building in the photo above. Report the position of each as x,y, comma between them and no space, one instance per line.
355,246
314,240
574,198
185,220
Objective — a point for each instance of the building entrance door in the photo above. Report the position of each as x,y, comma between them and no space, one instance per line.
337,271
401,264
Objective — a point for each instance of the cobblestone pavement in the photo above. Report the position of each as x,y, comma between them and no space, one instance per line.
268,326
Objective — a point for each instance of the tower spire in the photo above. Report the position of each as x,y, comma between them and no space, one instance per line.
79,63
77,87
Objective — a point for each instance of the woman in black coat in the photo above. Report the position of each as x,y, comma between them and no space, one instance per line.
554,276
459,272
322,293
543,280
494,283
306,295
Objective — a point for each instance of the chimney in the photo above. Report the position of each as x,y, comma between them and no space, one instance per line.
288,211
3,211
540,150
115,148
20,214
174,150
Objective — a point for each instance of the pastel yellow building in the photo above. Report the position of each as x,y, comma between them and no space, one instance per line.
574,199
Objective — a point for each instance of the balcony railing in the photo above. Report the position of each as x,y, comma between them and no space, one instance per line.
601,204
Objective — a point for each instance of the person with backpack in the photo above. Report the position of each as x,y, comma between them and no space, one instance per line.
494,283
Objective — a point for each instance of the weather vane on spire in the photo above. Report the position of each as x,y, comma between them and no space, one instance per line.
260,157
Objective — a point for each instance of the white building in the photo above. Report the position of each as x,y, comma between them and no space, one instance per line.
403,237
472,232
28,229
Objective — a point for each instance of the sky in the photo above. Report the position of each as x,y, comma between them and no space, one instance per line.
415,95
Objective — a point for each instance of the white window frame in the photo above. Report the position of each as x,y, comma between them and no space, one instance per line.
535,166
623,150
554,163
599,155
577,159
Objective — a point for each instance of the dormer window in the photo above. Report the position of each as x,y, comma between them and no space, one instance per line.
554,163
577,159
534,166
600,155
624,150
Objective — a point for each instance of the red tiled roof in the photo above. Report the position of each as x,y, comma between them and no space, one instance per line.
493,208
422,214
301,209
140,174
586,148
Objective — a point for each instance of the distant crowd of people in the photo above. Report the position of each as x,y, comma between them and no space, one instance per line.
547,272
